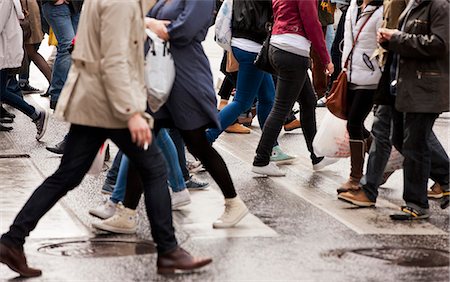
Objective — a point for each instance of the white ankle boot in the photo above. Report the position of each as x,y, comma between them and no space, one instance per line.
235,210
180,199
124,221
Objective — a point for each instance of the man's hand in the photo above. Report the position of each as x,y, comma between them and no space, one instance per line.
385,34
140,131
159,27
329,68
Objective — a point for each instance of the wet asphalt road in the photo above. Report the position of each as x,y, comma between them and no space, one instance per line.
311,235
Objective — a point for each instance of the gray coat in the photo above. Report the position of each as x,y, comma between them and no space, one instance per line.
423,65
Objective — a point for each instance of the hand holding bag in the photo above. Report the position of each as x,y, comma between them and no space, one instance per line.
337,99
159,71
223,25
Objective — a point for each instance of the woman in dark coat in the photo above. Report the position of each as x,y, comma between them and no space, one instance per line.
191,107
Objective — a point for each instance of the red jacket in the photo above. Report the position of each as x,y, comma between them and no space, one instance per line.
300,17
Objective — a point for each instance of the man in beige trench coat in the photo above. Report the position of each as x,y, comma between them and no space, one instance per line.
104,97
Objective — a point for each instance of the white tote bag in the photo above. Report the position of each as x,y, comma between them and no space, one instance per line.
332,139
159,71
223,25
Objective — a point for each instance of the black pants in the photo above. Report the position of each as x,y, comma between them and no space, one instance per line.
82,145
200,148
359,105
293,84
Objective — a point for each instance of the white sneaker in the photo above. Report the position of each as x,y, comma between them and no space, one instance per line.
270,170
235,210
180,199
124,221
324,162
104,211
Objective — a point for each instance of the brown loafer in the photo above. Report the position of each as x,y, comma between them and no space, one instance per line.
16,260
179,259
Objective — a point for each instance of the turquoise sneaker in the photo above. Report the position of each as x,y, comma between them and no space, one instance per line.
279,157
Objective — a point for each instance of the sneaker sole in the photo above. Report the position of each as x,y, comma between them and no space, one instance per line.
229,225
435,196
270,175
285,162
114,229
356,203
39,137
199,188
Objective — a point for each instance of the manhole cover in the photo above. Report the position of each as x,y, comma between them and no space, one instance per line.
99,248
416,257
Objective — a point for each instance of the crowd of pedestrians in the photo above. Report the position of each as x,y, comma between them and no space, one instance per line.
395,54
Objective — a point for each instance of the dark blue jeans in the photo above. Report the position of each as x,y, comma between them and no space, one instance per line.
12,95
64,24
424,156
251,83
83,143
293,84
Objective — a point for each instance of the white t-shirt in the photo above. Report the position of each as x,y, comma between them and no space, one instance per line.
293,43
246,45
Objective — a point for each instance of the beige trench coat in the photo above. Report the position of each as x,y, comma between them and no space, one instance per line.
105,85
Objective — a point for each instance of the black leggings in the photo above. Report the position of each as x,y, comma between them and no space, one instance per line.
359,105
200,148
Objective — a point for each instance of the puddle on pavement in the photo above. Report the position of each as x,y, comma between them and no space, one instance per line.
95,248
411,257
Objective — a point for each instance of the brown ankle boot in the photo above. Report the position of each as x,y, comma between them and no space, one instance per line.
357,154
15,259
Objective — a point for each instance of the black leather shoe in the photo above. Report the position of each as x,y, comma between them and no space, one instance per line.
16,260
5,113
5,128
58,148
53,104
179,259
6,120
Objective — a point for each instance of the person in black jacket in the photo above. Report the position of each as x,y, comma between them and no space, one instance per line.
421,85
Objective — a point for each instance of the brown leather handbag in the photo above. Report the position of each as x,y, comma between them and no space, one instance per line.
337,99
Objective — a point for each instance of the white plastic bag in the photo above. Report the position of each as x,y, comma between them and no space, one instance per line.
332,139
159,71
223,25
97,164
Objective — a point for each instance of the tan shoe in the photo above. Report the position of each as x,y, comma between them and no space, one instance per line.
352,184
235,211
237,128
292,125
222,104
357,198
435,191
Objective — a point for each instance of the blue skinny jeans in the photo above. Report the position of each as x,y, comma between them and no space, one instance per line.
251,82
175,176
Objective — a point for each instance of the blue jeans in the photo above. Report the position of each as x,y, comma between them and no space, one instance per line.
379,151
111,177
251,82
64,24
180,145
12,96
175,176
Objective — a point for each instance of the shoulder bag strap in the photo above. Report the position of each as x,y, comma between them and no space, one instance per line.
356,38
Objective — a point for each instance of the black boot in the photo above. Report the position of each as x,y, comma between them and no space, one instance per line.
5,128
5,114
